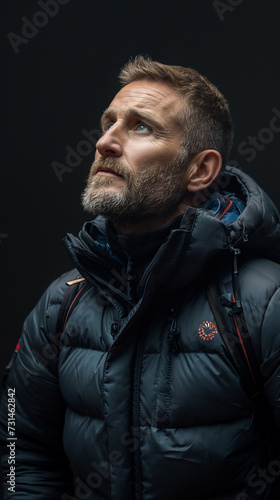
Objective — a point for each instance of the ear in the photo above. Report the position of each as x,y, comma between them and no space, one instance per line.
203,170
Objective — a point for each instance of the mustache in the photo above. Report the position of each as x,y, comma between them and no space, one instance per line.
109,163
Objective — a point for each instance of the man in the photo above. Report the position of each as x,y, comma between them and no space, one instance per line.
136,396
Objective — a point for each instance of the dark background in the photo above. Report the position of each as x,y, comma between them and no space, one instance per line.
57,82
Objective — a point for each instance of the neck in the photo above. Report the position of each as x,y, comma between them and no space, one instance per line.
150,224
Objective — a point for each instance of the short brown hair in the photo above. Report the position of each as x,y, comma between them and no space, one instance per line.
206,118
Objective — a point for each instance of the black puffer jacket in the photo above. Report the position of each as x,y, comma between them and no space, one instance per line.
135,417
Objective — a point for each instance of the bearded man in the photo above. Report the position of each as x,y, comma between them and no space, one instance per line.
128,389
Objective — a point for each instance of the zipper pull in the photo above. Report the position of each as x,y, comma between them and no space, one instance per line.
244,232
129,280
173,333
235,295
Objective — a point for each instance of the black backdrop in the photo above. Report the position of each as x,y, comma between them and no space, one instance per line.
60,60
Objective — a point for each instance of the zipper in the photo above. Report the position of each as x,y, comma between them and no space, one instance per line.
133,318
114,290
130,277
158,256
108,262
136,417
152,263
173,334
173,337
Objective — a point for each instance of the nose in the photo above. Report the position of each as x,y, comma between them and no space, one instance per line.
109,144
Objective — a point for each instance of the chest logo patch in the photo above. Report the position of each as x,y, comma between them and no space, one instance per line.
207,330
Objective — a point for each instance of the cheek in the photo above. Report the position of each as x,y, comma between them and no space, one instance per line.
151,153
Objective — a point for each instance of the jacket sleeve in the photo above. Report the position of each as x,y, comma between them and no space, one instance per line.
259,284
270,346
32,409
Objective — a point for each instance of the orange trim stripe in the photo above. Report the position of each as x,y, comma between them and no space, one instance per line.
69,283
231,202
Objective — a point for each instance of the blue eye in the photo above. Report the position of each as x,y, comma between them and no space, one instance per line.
108,126
142,128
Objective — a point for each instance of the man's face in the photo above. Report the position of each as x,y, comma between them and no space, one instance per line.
138,169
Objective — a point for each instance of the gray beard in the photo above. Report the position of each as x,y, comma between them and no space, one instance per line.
155,192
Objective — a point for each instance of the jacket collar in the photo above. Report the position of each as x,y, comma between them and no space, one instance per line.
185,254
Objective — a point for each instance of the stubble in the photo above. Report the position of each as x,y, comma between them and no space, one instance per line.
154,192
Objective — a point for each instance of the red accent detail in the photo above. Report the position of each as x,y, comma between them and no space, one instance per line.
231,202
207,330
71,305
242,344
17,346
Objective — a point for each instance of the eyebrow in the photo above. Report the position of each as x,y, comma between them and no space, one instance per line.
132,112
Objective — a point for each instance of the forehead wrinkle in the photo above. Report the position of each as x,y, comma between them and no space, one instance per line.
145,97
140,100
144,91
172,118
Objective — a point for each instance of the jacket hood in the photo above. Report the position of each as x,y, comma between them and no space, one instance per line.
257,229
201,236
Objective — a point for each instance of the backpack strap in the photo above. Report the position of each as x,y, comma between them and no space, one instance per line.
76,289
228,312
74,292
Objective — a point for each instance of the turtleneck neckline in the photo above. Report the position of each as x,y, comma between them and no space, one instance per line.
139,248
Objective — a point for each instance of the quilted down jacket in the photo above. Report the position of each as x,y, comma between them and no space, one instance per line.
138,398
